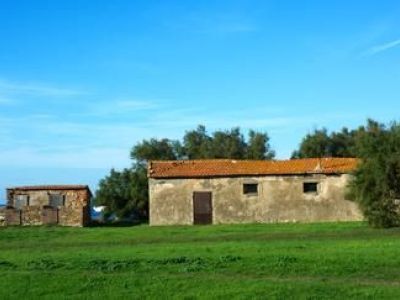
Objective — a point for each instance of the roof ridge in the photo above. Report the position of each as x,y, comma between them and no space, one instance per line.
39,186
251,160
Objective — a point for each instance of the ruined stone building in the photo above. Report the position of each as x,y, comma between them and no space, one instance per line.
245,191
50,204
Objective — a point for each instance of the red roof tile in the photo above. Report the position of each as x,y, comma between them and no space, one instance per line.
230,167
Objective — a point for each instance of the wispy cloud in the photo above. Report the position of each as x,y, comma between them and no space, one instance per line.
66,158
381,48
134,104
36,89
117,107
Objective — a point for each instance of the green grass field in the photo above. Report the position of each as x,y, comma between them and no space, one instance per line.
306,261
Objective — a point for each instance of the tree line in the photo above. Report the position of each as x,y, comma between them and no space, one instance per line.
376,183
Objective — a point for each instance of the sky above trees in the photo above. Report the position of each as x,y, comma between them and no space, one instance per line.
81,82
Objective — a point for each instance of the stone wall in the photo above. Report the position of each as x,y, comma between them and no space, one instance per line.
12,216
75,212
76,209
279,199
31,215
2,216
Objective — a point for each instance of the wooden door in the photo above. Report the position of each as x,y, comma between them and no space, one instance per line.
202,208
13,216
49,215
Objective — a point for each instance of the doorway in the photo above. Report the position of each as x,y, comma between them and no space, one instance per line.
49,215
202,208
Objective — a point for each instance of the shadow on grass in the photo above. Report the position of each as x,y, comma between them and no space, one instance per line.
118,223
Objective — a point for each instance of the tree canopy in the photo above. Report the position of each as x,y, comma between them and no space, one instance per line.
320,143
198,144
124,192
376,184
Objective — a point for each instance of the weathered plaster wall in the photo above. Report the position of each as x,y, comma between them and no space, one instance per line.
279,199
75,212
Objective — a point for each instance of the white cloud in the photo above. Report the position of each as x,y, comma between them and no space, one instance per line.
90,142
36,89
381,48
83,158
120,106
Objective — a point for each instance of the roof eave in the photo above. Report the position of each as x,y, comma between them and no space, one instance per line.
247,175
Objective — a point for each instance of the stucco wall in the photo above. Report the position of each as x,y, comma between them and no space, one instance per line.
279,199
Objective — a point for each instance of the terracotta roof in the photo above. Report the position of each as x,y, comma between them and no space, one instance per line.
50,187
229,167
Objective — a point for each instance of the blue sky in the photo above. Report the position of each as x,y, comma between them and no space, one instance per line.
83,81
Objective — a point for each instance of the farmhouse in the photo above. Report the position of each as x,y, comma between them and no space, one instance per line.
48,204
246,191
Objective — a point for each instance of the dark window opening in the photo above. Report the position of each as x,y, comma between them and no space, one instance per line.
20,201
310,187
250,188
56,200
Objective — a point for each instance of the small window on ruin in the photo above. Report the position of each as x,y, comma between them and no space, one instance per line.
56,200
20,201
310,187
250,188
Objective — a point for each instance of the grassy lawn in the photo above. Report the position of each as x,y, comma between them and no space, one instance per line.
347,260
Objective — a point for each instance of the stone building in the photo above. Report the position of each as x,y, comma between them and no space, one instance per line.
245,191
67,205
2,215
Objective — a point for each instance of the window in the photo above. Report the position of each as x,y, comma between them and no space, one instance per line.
310,187
21,201
250,188
56,200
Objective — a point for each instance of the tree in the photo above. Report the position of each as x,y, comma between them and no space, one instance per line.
153,149
197,143
228,144
124,192
316,144
376,184
321,144
343,143
258,146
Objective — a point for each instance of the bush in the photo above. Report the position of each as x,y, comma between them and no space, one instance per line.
376,185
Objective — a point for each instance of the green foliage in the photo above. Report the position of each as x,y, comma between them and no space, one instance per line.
315,144
154,149
124,192
321,144
253,261
258,146
197,144
228,144
376,185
